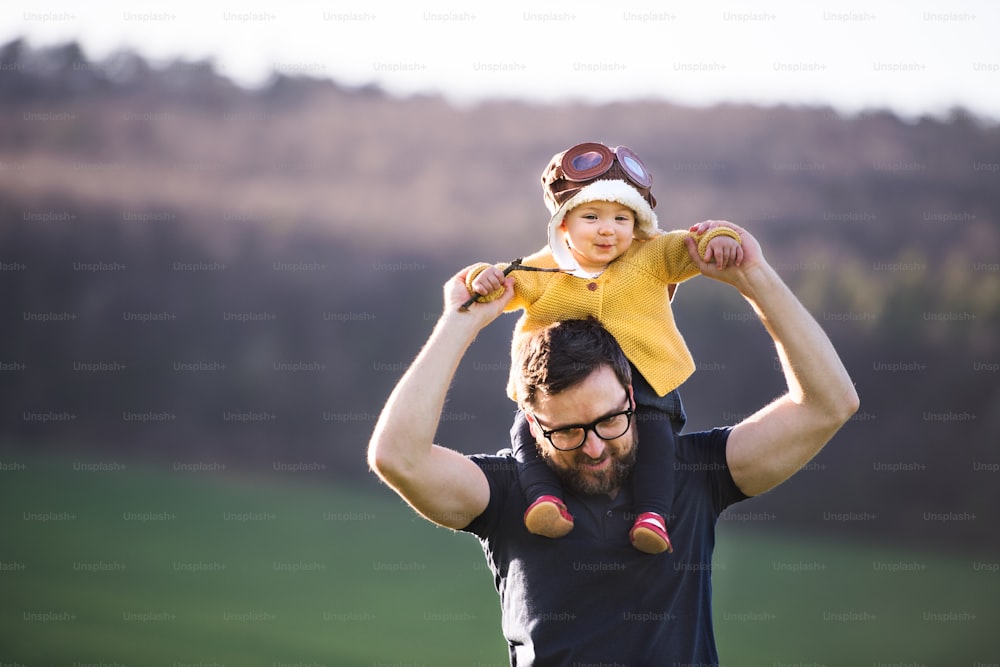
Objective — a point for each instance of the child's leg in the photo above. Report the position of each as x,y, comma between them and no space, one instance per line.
547,514
653,481
674,407
653,476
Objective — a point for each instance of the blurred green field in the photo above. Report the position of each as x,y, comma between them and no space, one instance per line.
140,567
781,602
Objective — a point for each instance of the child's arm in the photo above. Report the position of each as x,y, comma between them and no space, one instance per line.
487,281
483,286
715,240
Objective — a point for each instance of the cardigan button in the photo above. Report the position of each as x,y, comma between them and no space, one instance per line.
592,286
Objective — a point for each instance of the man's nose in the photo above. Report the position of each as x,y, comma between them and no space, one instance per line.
593,446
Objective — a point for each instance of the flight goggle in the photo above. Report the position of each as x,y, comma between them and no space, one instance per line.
585,162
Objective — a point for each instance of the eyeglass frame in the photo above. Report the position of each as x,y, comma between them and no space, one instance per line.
592,426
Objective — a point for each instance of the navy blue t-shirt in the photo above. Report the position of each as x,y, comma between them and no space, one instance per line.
591,597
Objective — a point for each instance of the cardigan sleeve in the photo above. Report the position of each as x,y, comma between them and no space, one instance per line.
528,285
672,263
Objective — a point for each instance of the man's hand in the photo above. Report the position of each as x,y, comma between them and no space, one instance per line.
734,272
456,294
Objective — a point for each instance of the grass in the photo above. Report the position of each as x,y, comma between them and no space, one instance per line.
150,567
143,567
785,601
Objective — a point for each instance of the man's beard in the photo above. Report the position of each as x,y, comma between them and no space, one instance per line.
604,482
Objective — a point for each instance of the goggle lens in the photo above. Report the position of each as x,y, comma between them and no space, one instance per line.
586,161
633,166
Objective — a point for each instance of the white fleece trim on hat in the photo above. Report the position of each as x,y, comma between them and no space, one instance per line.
618,191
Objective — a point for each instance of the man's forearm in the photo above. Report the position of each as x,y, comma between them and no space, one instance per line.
440,483
405,429
772,444
813,370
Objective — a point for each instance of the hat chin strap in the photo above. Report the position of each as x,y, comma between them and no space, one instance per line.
557,244
561,252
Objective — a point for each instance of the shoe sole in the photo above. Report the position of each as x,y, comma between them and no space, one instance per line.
649,542
546,520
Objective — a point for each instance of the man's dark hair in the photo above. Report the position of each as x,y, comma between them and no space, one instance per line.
564,354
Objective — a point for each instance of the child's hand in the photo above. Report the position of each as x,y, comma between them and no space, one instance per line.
490,280
725,250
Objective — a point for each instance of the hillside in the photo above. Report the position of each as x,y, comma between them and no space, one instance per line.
193,272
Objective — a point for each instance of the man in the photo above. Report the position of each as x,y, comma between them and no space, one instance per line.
589,597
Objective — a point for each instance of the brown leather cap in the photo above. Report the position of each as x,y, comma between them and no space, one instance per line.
557,189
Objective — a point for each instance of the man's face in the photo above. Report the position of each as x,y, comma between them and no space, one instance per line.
598,466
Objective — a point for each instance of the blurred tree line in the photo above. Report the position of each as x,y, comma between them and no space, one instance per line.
197,273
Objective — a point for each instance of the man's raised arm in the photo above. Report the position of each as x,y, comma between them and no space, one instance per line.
441,484
768,447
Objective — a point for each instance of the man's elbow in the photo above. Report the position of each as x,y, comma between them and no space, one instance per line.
375,462
380,461
387,465
846,406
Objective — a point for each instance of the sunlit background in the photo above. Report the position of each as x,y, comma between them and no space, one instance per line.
223,233
914,58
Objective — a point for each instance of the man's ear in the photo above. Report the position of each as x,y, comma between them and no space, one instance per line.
533,425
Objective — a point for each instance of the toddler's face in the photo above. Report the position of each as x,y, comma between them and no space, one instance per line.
599,232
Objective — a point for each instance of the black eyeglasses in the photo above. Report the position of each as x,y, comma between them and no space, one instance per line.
609,427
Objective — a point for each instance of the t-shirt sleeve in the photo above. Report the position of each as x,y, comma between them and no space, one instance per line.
707,451
500,471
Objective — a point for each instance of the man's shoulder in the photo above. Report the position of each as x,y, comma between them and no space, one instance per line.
702,463
501,463
704,441
703,454
500,470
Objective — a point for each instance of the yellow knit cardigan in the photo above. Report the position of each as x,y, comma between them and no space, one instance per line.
630,298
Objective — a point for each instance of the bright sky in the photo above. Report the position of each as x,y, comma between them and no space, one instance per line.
914,57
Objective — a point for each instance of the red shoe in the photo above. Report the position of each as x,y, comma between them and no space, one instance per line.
548,517
649,534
